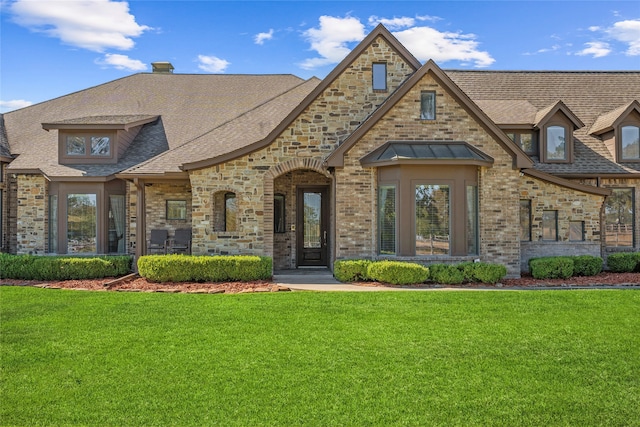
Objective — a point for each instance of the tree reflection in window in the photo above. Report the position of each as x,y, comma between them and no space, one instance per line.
81,223
432,220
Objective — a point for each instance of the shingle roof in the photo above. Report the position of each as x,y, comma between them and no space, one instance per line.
4,144
606,121
508,111
190,105
587,94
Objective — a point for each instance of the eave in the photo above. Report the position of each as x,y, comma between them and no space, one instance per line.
566,183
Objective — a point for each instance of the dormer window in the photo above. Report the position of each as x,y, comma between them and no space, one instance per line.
86,147
630,142
556,143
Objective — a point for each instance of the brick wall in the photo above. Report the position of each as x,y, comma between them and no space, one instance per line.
156,196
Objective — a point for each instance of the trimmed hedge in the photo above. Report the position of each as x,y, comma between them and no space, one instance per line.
351,270
448,274
397,272
551,267
455,274
32,267
586,265
219,268
624,262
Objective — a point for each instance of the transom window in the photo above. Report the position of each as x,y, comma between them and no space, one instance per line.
630,139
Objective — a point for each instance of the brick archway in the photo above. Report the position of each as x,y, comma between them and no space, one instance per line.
315,165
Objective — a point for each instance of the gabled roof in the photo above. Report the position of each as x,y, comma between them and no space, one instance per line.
549,111
608,121
379,31
190,105
229,139
588,94
509,111
336,159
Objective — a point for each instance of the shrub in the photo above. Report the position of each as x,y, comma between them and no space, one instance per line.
488,273
551,267
446,274
624,262
351,270
586,265
397,273
29,267
187,268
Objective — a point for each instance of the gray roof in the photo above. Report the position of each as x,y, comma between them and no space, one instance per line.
190,105
586,94
4,144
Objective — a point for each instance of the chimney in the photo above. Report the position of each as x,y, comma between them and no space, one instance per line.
162,67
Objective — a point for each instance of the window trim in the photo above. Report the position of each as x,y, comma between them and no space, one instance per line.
633,218
87,157
373,77
568,144
619,147
433,101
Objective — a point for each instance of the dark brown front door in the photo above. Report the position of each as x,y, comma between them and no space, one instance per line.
312,219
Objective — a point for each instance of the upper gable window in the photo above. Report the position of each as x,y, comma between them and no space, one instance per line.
630,141
556,147
427,105
379,71
87,147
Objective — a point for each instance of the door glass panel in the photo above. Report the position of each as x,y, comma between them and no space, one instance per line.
312,203
432,220
81,223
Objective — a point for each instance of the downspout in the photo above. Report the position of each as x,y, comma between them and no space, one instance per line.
141,224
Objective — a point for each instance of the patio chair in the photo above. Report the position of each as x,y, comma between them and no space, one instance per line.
181,242
158,241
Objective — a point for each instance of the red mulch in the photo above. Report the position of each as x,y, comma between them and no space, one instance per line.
138,284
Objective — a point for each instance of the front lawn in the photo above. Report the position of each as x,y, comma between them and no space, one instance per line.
538,358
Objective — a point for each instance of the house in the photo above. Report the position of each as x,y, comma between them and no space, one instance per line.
383,158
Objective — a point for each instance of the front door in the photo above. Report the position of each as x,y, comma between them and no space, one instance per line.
311,225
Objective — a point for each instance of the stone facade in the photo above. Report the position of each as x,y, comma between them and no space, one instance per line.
31,233
156,197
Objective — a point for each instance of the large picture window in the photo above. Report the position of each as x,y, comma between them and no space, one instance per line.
620,218
432,220
82,230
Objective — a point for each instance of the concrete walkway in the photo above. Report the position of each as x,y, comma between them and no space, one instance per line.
321,279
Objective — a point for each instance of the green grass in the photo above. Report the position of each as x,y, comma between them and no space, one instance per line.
379,358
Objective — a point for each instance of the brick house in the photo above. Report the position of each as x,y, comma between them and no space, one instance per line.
384,158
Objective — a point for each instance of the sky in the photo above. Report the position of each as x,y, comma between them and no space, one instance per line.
49,48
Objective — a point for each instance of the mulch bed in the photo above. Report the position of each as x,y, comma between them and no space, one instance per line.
137,284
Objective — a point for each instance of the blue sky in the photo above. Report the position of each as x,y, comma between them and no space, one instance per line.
49,48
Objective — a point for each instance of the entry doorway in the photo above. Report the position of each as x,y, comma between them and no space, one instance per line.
312,219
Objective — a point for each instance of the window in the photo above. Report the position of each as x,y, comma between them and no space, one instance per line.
526,141
53,224
230,212
472,220
77,145
619,218
630,139
387,219
117,224
576,231
550,225
432,220
87,147
82,230
427,105
556,143
177,209
379,71
525,220
100,146
278,214
1,221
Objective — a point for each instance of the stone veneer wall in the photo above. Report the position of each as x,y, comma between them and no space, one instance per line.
303,145
31,232
356,187
4,211
156,196
571,205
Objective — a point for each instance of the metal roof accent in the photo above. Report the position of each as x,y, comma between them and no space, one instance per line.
426,152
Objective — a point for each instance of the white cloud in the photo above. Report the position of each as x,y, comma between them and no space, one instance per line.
261,37
595,49
392,23
428,43
594,28
212,64
331,38
121,62
627,32
89,24
14,104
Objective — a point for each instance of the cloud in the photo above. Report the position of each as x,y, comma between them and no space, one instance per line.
428,43
627,32
14,104
595,49
393,23
331,38
95,25
212,64
121,62
261,37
